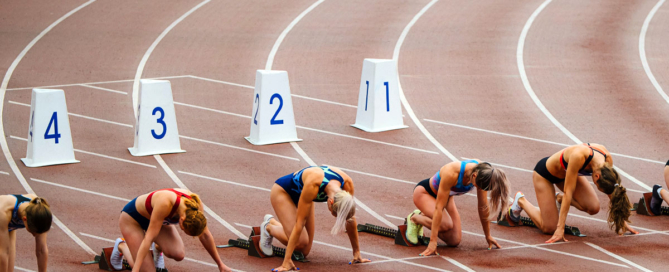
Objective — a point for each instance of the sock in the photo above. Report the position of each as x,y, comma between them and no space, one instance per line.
659,192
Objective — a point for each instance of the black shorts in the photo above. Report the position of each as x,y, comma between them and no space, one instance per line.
541,169
426,184
667,163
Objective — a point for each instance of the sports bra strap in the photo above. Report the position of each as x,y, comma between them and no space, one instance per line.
149,208
463,164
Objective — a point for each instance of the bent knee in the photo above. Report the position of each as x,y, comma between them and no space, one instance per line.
593,210
548,229
177,256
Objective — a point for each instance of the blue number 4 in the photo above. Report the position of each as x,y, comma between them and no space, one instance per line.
54,122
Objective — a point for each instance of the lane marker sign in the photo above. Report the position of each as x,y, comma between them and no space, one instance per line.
379,107
49,136
272,119
156,125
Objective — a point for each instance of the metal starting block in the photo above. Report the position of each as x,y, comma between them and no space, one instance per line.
253,246
643,207
105,264
398,234
503,220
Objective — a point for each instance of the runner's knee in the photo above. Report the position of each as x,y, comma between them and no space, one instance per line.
176,255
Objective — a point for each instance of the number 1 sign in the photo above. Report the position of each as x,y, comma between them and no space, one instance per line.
156,128
49,137
379,107
272,118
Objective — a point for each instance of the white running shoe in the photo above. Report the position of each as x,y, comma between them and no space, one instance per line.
116,258
559,205
158,259
515,209
265,238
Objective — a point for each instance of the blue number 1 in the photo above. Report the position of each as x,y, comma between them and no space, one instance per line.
160,121
54,122
387,98
366,94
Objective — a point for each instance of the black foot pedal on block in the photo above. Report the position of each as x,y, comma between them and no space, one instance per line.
503,220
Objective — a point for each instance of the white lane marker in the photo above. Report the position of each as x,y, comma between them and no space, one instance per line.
3,140
535,139
403,259
642,50
79,115
239,148
91,83
243,226
535,245
376,176
95,154
221,82
210,109
4,173
407,107
23,269
528,88
604,221
225,181
103,89
458,264
374,255
97,237
617,257
80,190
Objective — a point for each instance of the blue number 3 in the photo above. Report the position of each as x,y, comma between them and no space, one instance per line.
160,121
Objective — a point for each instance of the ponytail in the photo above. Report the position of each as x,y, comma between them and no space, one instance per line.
344,207
195,221
38,215
619,207
493,180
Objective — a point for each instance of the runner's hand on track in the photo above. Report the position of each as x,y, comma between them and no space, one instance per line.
630,229
286,266
224,268
491,242
431,249
557,236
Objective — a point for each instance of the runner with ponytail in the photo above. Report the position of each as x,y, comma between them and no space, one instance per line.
28,212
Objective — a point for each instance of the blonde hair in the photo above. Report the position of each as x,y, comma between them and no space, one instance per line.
195,221
344,207
493,180
38,215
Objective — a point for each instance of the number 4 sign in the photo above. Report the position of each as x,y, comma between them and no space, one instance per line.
49,137
156,128
379,107
272,118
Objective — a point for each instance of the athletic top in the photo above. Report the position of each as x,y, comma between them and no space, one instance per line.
582,171
298,184
15,222
169,220
458,189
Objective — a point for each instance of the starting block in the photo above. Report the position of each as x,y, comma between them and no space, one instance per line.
253,246
503,220
643,207
104,263
399,234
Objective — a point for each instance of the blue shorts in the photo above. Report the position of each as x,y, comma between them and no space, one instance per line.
131,210
286,182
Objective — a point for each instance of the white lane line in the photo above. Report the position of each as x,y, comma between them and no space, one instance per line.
324,101
221,82
618,257
95,154
23,269
103,89
80,190
530,91
403,259
186,258
535,245
407,107
225,181
210,109
535,139
239,148
243,226
642,50
458,264
79,115
604,221
4,173
376,176
374,255
3,140
91,83
277,43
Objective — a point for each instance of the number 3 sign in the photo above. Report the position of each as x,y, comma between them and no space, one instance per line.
156,128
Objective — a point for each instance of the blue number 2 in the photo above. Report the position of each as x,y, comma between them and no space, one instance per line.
255,121
54,122
271,100
160,121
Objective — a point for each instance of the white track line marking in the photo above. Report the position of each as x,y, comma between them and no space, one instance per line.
222,82
535,245
79,115
407,107
535,139
95,154
324,101
225,181
376,176
243,226
530,91
240,148
390,259
103,89
604,221
91,83
3,140
458,264
4,173
23,269
617,257
80,190
404,259
210,109
642,50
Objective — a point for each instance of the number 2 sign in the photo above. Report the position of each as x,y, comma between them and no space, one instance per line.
273,120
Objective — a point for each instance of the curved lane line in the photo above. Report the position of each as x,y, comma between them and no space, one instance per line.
642,50
3,139
135,101
528,88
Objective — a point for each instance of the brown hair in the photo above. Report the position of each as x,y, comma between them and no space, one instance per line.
38,215
493,180
195,221
619,207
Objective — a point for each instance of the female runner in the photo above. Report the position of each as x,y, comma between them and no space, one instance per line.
567,170
436,206
293,198
151,218
660,194
23,211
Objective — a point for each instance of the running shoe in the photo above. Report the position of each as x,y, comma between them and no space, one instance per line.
116,258
656,200
158,258
265,238
515,209
413,229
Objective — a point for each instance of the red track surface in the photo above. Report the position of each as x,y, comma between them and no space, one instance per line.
457,66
